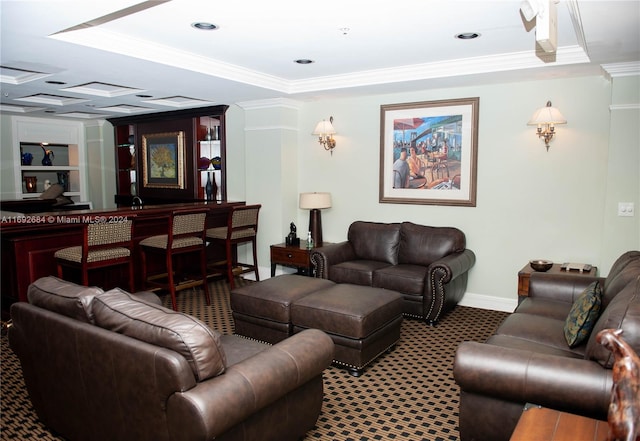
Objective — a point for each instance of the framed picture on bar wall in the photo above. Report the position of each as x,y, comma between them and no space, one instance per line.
163,164
429,152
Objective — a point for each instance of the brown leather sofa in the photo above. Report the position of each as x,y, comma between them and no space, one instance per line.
428,265
116,366
528,359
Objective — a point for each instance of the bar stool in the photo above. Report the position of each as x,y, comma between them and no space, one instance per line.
103,245
185,234
242,227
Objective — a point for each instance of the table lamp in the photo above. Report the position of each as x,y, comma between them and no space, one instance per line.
314,202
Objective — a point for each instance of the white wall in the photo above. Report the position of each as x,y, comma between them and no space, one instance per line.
8,168
623,178
530,204
101,161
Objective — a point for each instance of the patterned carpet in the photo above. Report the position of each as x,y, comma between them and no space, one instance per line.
408,394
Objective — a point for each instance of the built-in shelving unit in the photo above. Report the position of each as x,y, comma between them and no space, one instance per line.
64,169
127,176
200,154
65,141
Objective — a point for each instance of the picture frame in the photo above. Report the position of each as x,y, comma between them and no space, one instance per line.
163,160
442,168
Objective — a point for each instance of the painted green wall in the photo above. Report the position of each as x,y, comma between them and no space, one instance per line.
531,203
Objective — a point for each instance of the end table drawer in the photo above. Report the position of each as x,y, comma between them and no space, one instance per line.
290,256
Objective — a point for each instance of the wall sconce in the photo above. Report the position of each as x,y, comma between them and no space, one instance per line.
314,202
545,118
324,130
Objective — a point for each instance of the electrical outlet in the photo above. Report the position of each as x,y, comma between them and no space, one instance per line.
625,209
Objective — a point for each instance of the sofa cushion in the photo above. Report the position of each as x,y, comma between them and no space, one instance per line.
122,312
583,315
622,313
523,344
63,297
408,279
555,309
539,330
375,241
423,245
357,272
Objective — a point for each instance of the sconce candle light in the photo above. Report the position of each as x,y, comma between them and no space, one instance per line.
546,118
314,202
324,130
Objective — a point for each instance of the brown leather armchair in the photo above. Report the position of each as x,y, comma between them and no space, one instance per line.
428,265
528,359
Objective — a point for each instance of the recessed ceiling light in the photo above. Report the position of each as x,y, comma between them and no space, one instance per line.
303,61
467,35
204,26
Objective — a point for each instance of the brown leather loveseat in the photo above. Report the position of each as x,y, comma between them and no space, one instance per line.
114,366
427,265
528,359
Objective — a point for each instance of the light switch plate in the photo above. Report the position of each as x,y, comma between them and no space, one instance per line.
625,209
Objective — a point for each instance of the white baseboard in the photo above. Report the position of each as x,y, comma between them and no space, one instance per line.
488,302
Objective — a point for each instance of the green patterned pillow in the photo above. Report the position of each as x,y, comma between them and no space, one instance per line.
583,315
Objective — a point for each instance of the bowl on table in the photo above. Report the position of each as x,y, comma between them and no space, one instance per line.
541,265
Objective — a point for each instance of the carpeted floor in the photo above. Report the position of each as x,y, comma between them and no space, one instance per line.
408,394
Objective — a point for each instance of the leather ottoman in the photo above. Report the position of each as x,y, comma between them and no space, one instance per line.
363,321
261,310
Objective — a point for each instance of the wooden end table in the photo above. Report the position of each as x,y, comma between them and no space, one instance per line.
293,256
542,424
525,274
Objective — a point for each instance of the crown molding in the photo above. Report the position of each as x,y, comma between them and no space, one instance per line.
270,104
102,39
615,70
451,68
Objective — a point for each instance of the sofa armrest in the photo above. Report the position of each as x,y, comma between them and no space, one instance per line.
514,375
446,283
323,257
219,403
559,287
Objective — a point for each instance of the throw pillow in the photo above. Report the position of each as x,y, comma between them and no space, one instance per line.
583,315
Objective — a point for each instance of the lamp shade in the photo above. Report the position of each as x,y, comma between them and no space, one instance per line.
324,128
547,115
310,201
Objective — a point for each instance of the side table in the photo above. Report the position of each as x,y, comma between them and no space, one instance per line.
525,274
294,256
542,424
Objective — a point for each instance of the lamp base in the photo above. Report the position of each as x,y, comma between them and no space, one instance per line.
315,226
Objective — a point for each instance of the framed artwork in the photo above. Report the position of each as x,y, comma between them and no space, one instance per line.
163,160
429,152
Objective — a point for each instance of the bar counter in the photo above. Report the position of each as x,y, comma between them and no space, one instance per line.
29,242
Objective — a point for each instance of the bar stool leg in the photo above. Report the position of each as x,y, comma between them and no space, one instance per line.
230,265
203,271
255,259
85,275
132,284
172,287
